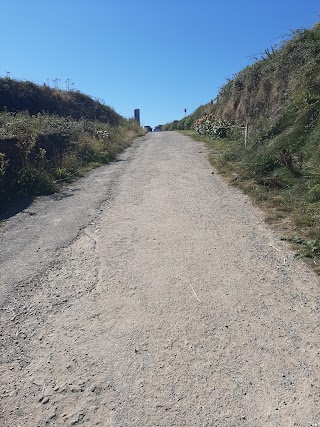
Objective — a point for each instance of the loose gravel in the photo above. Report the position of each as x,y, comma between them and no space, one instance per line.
150,293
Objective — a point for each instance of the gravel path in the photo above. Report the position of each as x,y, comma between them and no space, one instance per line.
150,293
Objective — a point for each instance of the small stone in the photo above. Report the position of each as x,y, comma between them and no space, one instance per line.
51,415
76,417
45,400
47,392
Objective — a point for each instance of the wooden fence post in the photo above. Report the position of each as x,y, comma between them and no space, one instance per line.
246,135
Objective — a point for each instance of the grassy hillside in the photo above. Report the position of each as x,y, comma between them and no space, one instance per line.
48,136
279,97
271,94
24,95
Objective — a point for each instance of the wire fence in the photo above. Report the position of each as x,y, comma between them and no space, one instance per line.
232,132
244,128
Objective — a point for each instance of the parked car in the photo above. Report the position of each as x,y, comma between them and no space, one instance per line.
148,128
157,129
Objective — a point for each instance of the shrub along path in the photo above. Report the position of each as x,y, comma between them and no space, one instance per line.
155,296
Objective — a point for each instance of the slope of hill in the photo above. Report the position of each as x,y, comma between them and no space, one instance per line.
24,95
279,98
271,94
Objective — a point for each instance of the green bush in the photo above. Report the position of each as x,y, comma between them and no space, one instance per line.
32,181
212,126
264,163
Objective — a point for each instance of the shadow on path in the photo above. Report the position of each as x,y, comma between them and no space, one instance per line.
14,207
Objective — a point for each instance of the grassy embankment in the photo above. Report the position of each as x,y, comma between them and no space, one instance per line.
48,136
279,96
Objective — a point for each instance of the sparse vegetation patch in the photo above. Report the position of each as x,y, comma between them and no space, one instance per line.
41,150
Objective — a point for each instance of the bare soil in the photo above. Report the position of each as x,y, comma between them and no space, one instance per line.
150,293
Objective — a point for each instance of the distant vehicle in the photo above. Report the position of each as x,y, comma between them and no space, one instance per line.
157,129
148,128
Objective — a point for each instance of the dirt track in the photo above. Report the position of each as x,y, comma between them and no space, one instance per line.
152,294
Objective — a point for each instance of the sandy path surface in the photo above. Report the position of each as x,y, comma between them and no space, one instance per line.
152,294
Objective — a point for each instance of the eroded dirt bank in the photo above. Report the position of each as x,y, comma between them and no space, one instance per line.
152,294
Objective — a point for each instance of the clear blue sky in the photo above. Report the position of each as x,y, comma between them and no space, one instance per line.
159,56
